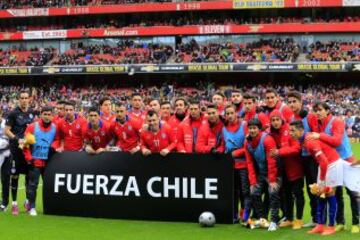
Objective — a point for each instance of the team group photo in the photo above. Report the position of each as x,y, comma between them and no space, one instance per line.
209,119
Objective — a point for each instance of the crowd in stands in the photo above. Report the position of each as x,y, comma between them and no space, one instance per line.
8,4
343,100
264,50
340,97
138,52
26,57
334,51
176,21
126,52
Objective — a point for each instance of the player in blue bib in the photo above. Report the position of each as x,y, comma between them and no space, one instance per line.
38,154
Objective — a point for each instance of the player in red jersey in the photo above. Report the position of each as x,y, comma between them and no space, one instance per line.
330,174
237,101
38,154
210,137
188,129
105,110
251,111
179,115
126,130
165,111
218,99
273,102
332,132
234,133
59,112
293,180
154,105
97,135
136,111
71,130
310,121
263,173
157,137
294,101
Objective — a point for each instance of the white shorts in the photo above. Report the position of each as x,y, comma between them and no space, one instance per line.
334,175
351,176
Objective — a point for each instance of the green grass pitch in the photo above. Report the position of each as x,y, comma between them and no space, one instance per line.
64,228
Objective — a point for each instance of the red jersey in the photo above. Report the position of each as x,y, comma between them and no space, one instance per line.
337,130
137,115
289,151
57,119
108,119
27,151
156,142
187,134
99,138
72,133
322,152
286,112
272,170
221,110
265,122
165,120
312,121
210,137
174,122
127,134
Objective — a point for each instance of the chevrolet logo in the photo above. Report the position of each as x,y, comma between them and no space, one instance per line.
150,68
51,70
256,67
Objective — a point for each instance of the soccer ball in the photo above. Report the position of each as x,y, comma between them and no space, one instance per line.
207,219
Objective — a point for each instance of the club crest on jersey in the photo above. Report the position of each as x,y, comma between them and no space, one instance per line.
78,126
129,128
163,135
31,116
102,133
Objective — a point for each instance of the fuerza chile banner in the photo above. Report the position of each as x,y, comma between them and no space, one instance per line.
178,187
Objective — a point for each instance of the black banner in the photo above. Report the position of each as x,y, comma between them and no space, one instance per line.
182,68
178,187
